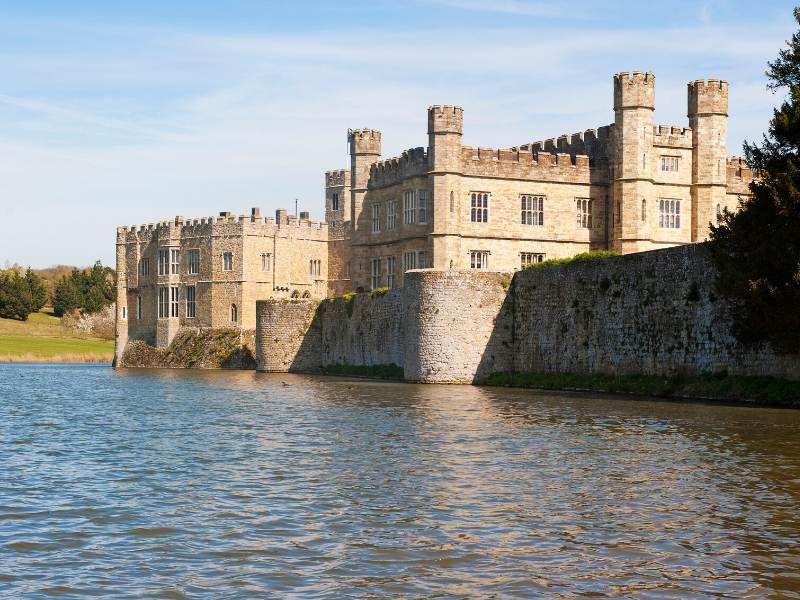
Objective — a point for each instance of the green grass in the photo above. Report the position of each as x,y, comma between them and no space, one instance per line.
42,338
583,256
372,371
766,391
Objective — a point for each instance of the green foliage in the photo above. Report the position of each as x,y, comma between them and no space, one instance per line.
88,290
371,371
767,391
583,256
21,295
757,249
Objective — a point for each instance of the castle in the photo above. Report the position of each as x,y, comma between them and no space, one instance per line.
629,186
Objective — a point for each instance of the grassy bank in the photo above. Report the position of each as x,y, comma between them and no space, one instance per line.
371,371
42,339
766,391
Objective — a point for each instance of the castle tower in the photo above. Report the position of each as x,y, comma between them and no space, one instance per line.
365,150
121,322
708,118
634,103
337,196
445,127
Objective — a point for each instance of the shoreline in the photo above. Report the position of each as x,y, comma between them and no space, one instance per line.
57,358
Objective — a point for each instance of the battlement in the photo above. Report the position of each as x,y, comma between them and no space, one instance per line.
708,97
364,141
672,136
445,119
337,178
411,163
592,142
518,163
634,90
737,168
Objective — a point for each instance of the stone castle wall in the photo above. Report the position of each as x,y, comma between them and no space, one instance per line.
653,313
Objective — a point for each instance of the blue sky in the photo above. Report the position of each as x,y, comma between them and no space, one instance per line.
117,113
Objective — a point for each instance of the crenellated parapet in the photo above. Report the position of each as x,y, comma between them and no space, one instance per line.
634,90
337,178
594,143
739,176
364,141
672,137
516,163
708,97
445,119
412,163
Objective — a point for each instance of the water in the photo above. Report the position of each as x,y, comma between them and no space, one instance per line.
184,484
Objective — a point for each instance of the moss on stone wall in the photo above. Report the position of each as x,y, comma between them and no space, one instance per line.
206,349
765,391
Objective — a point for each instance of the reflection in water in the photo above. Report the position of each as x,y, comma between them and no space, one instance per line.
190,483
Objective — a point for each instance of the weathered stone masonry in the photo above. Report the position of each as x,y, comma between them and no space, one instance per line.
651,313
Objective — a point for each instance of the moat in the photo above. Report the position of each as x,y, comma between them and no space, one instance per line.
173,484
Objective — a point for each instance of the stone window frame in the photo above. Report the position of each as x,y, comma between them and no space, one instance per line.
422,207
530,258
391,215
334,200
138,308
163,302
391,265
409,260
479,206
227,261
422,259
174,261
644,210
583,213
234,313
479,260
124,313
670,163
314,267
669,213
192,265
409,207
163,261
375,273
532,209
191,301
144,267
266,262
174,299
376,217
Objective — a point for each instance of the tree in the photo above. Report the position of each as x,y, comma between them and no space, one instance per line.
88,290
20,295
66,296
757,249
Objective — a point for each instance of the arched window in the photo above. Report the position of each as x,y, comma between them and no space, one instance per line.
234,313
295,294
644,209
306,294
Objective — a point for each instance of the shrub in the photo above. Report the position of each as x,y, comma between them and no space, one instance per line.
583,256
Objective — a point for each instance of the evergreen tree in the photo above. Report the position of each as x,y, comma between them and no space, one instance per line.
757,249
66,296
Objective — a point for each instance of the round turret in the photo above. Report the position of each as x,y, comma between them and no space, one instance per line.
364,141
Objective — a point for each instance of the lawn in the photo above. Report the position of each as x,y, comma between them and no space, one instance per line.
42,339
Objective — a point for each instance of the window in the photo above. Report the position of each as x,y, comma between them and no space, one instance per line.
194,262
173,301
719,214
266,261
376,273
391,214
452,202
409,261
669,163
335,201
478,259
390,266
138,307
144,266
644,209
315,267
669,213
235,313
227,261
163,261
529,258
532,210
124,313
376,218
191,306
163,302
409,207
583,212
175,261
423,206
479,203
422,259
